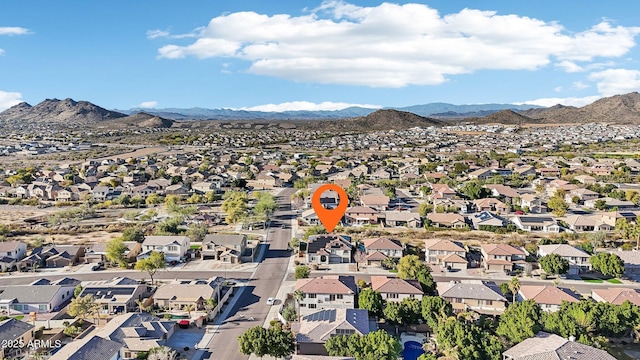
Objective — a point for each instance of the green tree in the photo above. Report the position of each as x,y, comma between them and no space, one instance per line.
377,345
514,287
197,231
153,199
265,206
302,272
435,309
254,341
162,353
371,300
152,264
393,312
170,226
558,206
80,307
554,264
471,341
410,267
425,209
520,321
235,205
77,291
115,252
281,342
289,313
474,190
133,234
411,311
608,264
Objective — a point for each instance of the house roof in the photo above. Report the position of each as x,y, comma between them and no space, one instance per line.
6,246
629,257
319,326
318,242
375,199
88,348
445,218
161,240
563,250
471,289
385,284
376,256
12,329
154,325
454,258
545,346
340,284
382,243
618,296
501,249
31,294
184,292
442,245
401,215
548,294
361,210
224,239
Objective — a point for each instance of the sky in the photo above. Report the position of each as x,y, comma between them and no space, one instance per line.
317,55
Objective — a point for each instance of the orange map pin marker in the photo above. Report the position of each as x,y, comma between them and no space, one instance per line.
330,218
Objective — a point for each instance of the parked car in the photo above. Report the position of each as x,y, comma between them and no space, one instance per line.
98,266
271,301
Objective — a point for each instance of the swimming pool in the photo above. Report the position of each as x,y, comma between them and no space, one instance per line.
412,350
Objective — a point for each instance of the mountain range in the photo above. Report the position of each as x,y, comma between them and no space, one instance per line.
60,114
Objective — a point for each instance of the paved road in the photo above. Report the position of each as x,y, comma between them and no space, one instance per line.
264,283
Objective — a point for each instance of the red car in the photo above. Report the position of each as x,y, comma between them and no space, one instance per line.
184,324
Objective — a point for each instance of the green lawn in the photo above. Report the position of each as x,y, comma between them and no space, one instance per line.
593,281
19,317
614,281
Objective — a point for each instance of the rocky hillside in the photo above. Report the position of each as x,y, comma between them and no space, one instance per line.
141,120
618,109
387,119
61,112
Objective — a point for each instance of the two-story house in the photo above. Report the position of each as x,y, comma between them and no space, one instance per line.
578,259
548,297
174,248
361,215
11,252
533,203
483,297
388,248
314,329
224,247
441,251
502,257
396,289
14,331
42,296
327,292
616,296
329,249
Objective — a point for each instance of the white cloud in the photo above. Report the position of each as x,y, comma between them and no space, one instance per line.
13,30
148,104
155,34
392,45
616,81
306,105
569,101
557,89
8,99
580,85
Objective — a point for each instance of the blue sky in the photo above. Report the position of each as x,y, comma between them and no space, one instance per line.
281,55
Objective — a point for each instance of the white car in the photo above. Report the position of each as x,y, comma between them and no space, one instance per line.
271,301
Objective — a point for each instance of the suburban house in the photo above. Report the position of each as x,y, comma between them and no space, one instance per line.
11,252
329,249
14,331
137,333
486,220
437,250
178,295
543,224
492,205
173,247
448,220
361,215
118,295
534,203
222,247
396,289
376,202
327,292
54,256
548,297
402,218
578,259
388,247
616,296
631,261
41,296
502,257
89,348
314,329
483,297
587,223
550,346
309,217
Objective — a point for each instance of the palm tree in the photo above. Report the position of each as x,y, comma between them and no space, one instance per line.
450,354
209,305
189,308
298,296
140,304
514,287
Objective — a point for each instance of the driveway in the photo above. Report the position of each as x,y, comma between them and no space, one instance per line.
185,338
